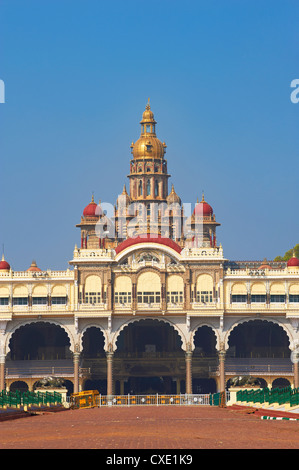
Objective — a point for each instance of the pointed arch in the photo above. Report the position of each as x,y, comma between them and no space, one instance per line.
162,320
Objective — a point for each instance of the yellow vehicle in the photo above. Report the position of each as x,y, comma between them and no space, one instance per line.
86,399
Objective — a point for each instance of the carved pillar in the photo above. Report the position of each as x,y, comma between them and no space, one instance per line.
76,359
109,294
109,356
2,354
221,356
187,289
188,360
296,374
134,296
2,372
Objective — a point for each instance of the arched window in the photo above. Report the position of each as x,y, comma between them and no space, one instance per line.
93,288
175,289
204,289
140,188
148,288
148,188
123,290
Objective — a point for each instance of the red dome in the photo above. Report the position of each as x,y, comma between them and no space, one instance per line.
293,261
4,264
91,209
203,209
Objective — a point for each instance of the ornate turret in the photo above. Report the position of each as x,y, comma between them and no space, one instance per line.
148,169
148,145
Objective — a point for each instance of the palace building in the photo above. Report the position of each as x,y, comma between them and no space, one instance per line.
149,303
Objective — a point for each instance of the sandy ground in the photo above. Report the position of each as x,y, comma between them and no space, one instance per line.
151,428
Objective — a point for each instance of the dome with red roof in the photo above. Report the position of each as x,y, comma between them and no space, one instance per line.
203,209
91,209
294,261
4,265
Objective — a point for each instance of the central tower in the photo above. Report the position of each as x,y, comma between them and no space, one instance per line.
148,167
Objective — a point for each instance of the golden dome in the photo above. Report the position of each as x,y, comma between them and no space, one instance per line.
148,145
148,115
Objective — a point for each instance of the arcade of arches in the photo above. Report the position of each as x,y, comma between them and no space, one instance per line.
148,357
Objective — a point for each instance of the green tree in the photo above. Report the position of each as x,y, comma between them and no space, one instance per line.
289,254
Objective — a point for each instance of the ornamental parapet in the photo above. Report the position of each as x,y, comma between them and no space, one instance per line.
92,255
39,275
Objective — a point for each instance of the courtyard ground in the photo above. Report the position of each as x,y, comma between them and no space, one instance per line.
152,428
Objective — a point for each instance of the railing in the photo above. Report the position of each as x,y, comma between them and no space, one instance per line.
43,371
95,306
158,400
256,366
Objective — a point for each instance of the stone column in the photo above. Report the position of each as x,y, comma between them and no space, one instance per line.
2,372
296,374
188,359
109,356
76,359
221,356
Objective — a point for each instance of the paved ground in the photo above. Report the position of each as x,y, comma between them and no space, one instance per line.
150,427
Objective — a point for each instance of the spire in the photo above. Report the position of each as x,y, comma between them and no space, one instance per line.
173,197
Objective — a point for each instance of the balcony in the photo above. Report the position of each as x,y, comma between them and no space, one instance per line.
149,306
39,369
256,367
203,306
93,307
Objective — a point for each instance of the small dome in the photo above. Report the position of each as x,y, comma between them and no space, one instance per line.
34,267
265,265
148,115
203,209
148,145
294,261
91,209
4,265
172,197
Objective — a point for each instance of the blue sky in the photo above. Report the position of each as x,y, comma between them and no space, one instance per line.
77,76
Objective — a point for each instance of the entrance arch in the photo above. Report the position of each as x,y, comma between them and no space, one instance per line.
39,341
258,338
259,348
205,359
94,359
149,358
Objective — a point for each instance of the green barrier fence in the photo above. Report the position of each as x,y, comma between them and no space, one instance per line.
18,399
265,395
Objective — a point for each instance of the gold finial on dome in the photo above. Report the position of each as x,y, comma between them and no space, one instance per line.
148,115
148,145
